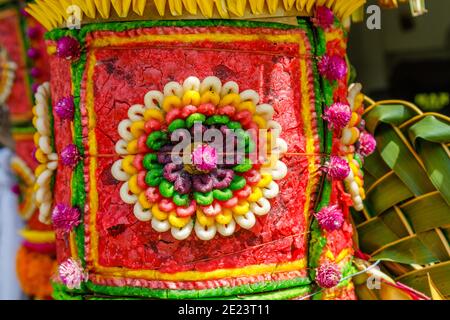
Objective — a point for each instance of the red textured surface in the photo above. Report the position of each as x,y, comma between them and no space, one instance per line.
121,79
25,149
34,224
61,87
19,102
341,239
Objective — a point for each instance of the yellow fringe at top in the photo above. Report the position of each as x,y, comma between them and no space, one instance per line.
56,13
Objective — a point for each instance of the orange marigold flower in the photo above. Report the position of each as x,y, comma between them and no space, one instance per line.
34,270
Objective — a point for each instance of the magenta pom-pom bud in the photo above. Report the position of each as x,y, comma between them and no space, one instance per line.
65,218
332,67
72,274
35,72
15,189
70,155
338,115
68,48
338,168
204,157
330,218
34,87
33,155
65,108
328,275
33,53
24,13
33,32
324,17
367,144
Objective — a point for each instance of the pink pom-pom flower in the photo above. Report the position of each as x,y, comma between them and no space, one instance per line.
34,87
65,108
72,274
367,144
70,155
324,17
332,67
35,72
338,115
68,48
33,155
330,218
328,275
15,189
338,168
33,53
33,32
65,218
204,157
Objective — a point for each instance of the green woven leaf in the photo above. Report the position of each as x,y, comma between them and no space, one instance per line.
375,234
386,194
440,273
427,212
396,221
433,241
407,224
389,114
437,164
375,166
431,129
369,180
408,250
396,154
428,135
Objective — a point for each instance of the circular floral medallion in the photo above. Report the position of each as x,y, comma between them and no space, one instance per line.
200,156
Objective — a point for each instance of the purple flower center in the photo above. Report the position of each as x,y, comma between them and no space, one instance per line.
204,157
33,53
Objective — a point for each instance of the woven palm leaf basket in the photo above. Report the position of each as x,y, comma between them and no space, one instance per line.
406,220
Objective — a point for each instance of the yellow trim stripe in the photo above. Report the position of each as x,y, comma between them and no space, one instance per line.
36,236
250,270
